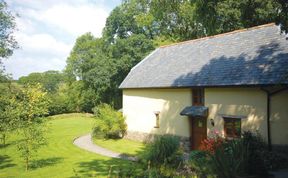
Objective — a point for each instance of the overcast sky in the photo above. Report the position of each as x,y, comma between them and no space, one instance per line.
47,30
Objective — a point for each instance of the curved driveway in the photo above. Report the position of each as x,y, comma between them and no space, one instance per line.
85,142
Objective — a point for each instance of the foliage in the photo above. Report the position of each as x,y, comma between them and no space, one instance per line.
59,157
4,77
163,149
134,28
162,157
254,140
32,138
256,147
109,123
8,121
88,63
30,105
76,97
58,104
183,20
200,162
247,156
66,94
101,67
122,22
50,80
7,27
274,160
212,143
231,160
260,157
53,82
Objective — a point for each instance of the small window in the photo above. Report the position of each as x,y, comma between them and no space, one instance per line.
198,97
232,127
157,124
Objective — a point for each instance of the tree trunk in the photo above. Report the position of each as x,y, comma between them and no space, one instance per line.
4,139
27,163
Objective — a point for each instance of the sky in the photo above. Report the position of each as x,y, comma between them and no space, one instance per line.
47,30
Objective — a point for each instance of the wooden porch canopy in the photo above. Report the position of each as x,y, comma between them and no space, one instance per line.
195,111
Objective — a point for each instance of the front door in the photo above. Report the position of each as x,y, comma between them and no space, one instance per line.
198,129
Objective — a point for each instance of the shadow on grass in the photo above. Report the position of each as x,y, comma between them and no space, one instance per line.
45,162
100,167
3,146
111,167
6,162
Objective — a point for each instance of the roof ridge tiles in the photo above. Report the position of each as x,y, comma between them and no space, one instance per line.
219,35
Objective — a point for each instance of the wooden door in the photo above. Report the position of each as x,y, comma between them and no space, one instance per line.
198,132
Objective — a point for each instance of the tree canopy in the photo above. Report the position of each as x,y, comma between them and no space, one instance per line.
50,80
7,27
136,27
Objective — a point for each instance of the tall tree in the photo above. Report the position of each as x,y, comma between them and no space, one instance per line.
226,15
7,40
135,27
101,67
90,64
190,19
7,27
122,22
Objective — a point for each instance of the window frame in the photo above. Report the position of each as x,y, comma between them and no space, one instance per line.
233,120
157,121
198,97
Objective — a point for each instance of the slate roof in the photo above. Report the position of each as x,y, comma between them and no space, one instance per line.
254,56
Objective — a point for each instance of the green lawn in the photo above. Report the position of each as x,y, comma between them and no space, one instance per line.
60,156
121,145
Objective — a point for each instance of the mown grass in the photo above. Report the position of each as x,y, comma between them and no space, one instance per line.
60,158
123,146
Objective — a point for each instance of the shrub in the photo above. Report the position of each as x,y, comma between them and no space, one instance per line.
273,160
163,149
109,123
164,155
211,144
257,147
254,140
230,160
261,159
199,161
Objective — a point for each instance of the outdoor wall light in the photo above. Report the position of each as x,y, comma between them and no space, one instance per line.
157,113
212,122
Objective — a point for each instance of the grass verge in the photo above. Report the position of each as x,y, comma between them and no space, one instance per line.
60,158
123,146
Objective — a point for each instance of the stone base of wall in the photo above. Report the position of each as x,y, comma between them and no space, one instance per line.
137,136
146,138
283,149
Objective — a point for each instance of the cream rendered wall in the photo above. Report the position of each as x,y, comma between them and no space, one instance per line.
279,118
248,102
139,106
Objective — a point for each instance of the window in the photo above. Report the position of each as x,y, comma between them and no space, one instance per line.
157,125
232,127
198,97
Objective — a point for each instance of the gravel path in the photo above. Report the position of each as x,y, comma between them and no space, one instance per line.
85,142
